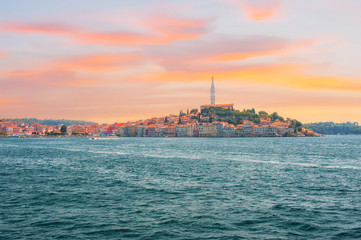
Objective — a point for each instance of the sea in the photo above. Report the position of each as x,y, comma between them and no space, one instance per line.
180,188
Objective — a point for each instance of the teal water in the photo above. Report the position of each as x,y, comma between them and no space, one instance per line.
180,188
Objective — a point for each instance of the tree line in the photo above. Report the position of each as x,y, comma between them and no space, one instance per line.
50,122
237,117
331,128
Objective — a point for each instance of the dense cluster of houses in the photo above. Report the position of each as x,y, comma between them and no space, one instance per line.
169,126
190,127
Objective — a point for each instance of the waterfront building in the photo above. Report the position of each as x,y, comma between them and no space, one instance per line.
245,129
259,131
229,131
207,130
140,131
190,130
120,132
12,130
271,131
151,131
283,131
108,130
163,131
181,131
129,131
171,131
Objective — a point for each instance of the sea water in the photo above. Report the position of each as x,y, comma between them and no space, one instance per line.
180,188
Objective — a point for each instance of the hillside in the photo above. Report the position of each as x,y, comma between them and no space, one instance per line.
331,128
237,117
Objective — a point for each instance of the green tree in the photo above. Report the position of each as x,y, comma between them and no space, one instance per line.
275,116
335,128
194,110
63,129
166,120
231,121
263,114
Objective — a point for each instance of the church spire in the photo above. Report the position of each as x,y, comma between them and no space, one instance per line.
213,94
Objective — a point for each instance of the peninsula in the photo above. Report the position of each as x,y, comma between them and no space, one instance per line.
210,120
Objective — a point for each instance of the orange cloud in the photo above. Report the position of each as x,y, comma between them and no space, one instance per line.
82,71
275,51
160,32
259,10
285,75
7,100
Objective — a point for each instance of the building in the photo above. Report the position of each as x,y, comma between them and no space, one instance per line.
129,131
192,130
229,131
181,131
225,106
152,131
213,100
265,121
213,94
140,131
207,130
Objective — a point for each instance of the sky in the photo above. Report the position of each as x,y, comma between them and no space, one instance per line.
116,61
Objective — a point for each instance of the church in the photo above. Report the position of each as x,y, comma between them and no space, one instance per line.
213,100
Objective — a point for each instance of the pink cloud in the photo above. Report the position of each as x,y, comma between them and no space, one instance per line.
76,71
3,55
222,53
160,30
259,10
97,63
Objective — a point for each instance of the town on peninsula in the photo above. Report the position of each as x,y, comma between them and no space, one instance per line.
211,120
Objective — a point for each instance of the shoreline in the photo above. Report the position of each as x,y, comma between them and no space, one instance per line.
96,137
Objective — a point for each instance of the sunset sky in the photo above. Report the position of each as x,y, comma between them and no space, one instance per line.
114,61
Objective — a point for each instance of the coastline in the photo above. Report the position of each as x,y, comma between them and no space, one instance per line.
48,136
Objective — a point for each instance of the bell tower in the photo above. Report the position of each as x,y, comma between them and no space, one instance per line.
213,94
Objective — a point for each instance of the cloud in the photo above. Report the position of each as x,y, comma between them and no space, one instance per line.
76,71
160,30
3,55
223,48
4,101
185,62
282,75
264,50
97,63
259,10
